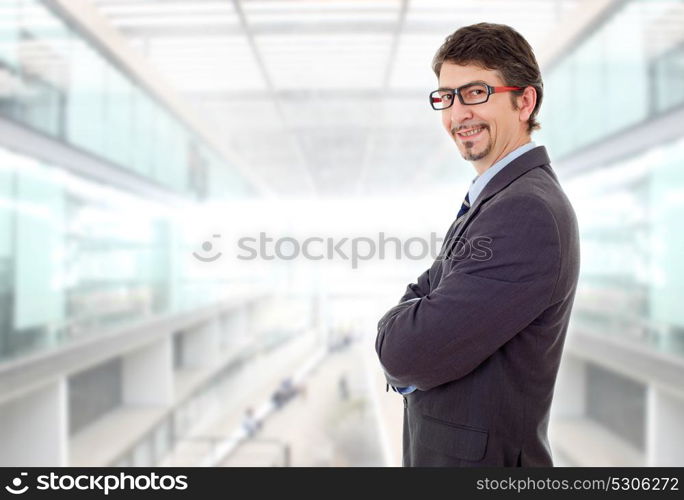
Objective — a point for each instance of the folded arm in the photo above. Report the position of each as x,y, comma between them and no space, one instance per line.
418,289
480,304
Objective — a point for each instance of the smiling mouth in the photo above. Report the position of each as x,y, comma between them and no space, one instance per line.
471,133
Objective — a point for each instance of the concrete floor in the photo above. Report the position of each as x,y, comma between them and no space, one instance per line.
321,427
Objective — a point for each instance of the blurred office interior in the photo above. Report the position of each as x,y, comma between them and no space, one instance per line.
144,142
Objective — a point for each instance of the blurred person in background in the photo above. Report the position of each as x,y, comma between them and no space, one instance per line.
474,345
250,423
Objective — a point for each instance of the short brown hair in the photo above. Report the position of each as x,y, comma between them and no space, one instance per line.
495,47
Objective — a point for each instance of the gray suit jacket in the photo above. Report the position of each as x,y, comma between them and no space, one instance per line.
481,332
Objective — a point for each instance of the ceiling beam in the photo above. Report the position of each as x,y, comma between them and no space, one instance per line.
378,104
308,175
418,93
196,8
183,29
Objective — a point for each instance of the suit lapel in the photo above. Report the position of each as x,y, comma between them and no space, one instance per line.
532,159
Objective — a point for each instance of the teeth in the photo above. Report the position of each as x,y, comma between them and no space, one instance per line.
471,132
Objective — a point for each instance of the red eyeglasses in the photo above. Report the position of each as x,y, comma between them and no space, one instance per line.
469,94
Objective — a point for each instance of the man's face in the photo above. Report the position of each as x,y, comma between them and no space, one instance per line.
501,127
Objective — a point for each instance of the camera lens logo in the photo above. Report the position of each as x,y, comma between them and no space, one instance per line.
207,247
16,488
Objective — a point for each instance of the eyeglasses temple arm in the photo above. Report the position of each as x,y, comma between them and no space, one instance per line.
505,89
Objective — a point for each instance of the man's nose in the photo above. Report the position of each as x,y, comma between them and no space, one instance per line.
459,113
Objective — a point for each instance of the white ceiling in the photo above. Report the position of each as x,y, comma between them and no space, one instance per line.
321,98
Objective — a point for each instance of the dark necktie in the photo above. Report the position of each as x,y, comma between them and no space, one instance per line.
465,206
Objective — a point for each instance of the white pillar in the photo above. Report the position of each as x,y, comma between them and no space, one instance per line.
569,399
33,428
664,432
234,327
148,375
201,345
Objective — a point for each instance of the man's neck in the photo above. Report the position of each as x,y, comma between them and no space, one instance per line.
482,167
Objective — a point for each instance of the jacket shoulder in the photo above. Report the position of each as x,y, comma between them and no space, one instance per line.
541,186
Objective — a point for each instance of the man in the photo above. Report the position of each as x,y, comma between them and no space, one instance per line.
474,345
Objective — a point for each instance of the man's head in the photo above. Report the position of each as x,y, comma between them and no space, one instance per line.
499,56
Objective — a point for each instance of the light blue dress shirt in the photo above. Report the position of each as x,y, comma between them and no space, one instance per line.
482,180
476,188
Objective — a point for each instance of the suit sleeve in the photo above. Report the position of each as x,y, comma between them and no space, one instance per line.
418,289
422,285
484,300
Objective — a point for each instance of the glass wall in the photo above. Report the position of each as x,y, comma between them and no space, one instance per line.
627,71
77,257
632,275
55,81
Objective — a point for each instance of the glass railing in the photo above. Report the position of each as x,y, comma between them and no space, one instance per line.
56,81
78,257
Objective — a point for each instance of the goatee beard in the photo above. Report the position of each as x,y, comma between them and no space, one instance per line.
470,155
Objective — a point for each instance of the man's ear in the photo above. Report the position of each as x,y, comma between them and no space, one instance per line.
526,103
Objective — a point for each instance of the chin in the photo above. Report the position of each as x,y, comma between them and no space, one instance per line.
475,154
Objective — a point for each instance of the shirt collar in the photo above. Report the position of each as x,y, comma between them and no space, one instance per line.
481,181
